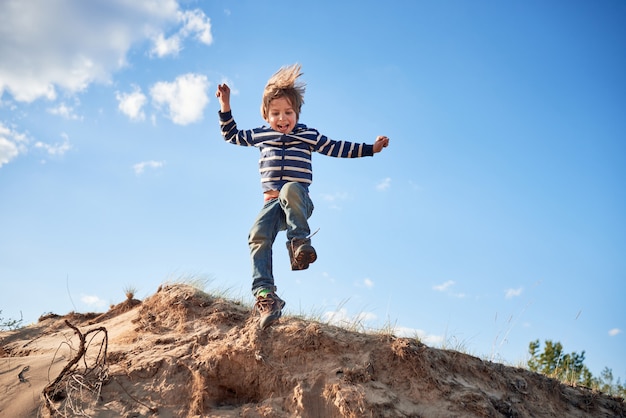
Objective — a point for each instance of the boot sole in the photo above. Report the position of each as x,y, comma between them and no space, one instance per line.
273,317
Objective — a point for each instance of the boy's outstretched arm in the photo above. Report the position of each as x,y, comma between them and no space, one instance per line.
381,142
223,95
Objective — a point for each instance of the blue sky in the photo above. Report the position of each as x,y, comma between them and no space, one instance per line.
495,217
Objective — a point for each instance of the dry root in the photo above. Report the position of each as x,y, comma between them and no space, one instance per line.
80,382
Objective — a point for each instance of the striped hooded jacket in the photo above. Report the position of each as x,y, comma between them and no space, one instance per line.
287,158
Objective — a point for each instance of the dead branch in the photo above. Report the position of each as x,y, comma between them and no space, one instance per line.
74,381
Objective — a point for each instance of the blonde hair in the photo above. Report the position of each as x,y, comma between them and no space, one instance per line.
284,84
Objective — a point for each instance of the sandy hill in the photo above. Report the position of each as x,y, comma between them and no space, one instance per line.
184,353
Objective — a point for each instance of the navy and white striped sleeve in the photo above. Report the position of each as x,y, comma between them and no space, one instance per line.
342,149
231,134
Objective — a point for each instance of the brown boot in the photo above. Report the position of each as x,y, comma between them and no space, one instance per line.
301,253
269,306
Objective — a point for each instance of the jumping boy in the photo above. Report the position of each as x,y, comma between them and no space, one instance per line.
286,173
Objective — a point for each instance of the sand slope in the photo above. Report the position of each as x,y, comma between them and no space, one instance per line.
184,353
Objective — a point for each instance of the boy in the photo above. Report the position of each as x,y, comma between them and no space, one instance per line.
285,167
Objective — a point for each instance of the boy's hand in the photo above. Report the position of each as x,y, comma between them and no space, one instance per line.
381,142
223,95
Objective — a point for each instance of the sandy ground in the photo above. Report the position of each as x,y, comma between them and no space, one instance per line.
185,353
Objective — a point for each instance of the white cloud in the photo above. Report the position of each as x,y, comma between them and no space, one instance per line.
194,24
384,184
614,332
511,293
68,44
185,98
166,46
140,167
57,149
444,286
197,24
8,150
12,143
131,104
94,301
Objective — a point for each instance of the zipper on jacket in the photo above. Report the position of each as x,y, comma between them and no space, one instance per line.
282,158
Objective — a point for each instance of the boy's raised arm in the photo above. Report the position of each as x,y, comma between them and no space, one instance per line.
223,95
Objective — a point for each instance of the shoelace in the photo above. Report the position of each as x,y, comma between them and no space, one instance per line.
264,304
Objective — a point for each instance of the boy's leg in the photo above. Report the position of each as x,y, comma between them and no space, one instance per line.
298,207
268,223
270,220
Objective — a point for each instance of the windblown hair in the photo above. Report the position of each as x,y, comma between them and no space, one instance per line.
284,83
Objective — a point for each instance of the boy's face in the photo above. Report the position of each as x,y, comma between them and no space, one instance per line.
281,116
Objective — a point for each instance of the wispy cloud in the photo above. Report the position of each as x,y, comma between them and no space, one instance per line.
64,111
367,282
511,293
140,167
615,331
414,186
58,149
185,98
444,286
335,199
328,277
383,184
341,317
422,335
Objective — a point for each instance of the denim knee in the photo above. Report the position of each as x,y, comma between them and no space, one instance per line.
292,189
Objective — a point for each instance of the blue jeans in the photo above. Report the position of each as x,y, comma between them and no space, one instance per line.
291,212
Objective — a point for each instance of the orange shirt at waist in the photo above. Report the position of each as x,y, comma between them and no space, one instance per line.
269,195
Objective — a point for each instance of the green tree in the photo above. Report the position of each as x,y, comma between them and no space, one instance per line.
555,363
605,384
